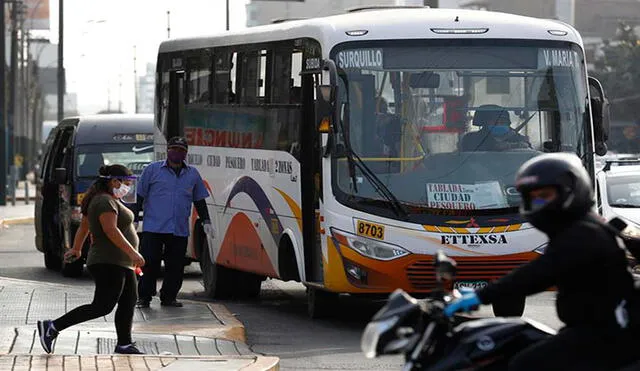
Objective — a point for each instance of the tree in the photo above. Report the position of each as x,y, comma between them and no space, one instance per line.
618,69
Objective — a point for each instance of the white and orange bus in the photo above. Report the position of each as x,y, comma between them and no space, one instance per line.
343,152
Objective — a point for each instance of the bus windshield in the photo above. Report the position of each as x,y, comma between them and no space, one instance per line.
135,156
445,126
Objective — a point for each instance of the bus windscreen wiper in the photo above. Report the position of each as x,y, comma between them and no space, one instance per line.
379,186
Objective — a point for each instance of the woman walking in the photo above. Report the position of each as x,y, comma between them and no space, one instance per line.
112,259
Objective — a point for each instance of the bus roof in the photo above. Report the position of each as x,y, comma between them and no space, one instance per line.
388,24
102,128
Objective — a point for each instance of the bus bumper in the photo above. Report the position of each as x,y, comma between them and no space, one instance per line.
347,271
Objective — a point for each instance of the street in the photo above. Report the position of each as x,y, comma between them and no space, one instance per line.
277,324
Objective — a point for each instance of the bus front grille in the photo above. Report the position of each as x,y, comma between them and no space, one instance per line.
421,274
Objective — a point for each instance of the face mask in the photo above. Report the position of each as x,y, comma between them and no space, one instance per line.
121,192
176,157
499,130
538,203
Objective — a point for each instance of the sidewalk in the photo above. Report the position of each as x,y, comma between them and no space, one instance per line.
196,337
21,193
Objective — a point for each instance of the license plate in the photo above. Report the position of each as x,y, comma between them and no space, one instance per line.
470,284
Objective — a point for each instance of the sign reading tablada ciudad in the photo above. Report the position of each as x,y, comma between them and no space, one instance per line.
486,195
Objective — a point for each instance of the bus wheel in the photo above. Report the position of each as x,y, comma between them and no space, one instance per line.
51,260
215,278
510,307
320,304
248,285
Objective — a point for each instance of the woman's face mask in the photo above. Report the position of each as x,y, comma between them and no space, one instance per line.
121,191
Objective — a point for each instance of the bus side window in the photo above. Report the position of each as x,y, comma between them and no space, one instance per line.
280,86
199,72
296,81
223,90
249,77
176,104
163,102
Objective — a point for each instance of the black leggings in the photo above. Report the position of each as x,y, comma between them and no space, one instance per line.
114,285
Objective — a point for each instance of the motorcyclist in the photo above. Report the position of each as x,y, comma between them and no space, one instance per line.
596,299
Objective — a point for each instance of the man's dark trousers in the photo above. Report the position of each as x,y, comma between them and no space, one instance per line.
152,248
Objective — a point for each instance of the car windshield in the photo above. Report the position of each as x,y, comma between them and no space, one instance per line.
135,156
624,191
446,126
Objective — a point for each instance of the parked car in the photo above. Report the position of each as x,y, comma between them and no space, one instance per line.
73,152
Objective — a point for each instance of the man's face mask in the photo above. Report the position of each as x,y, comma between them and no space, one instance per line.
499,130
176,156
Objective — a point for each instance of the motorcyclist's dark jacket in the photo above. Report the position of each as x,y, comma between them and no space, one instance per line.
586,265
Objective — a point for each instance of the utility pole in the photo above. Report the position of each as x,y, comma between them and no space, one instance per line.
135,80
227,15
61,82
168,24
13,82
3,123
21,119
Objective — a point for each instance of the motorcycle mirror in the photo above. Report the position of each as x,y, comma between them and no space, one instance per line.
445,267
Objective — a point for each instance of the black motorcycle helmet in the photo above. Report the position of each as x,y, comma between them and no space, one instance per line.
564,172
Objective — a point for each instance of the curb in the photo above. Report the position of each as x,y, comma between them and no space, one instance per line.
16,221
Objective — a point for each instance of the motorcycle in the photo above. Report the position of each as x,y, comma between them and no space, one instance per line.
431,341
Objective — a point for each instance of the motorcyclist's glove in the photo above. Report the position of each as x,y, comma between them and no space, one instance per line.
466,303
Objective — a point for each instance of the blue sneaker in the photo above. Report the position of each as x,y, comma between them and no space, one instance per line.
48,335
127,349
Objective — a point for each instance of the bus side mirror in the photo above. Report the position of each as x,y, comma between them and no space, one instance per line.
325,116
60,176
599,116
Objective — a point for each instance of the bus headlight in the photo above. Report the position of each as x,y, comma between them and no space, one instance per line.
369,247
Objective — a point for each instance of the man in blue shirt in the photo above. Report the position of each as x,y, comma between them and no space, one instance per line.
166,190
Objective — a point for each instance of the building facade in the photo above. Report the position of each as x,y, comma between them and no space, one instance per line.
146,90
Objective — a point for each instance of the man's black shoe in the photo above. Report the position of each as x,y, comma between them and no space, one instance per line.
143,303
173,303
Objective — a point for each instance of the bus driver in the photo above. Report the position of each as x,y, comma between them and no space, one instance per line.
495,132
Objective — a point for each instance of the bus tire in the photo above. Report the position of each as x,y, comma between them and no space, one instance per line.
215,278
509,307
320,303
249,285
51,260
